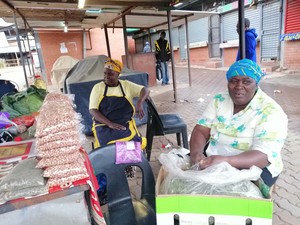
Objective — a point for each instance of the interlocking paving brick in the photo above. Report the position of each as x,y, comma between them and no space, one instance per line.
287,218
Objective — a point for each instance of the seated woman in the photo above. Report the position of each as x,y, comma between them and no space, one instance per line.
244,127
112,108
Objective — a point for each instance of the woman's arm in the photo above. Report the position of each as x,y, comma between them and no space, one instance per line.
199,138
102,119
139,105
242,161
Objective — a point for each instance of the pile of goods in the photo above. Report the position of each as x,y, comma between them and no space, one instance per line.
58,141
18,113
23,180
220,179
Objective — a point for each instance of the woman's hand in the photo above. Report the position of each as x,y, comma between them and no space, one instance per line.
139,110
196,158
116,126
211,160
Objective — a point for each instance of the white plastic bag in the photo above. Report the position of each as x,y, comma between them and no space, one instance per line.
220,179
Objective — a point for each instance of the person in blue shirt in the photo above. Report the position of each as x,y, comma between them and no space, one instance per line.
250,41
147,48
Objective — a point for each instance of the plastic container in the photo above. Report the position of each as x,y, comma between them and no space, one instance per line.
39,82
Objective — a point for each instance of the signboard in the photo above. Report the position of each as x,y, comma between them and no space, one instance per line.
290,37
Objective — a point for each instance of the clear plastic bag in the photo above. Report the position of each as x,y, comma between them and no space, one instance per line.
220,179
65,170
66,181
59,151
60,160
22,193
23,175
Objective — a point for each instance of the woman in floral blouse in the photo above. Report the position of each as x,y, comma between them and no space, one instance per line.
243,127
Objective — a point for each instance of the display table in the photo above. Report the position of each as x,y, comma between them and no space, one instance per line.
66,207
22,203
71,205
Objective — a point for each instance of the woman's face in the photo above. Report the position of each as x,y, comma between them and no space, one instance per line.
241,89
111,77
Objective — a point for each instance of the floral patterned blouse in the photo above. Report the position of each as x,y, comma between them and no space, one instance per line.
261,126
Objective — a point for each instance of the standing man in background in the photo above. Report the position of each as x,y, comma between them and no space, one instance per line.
250,41
163,53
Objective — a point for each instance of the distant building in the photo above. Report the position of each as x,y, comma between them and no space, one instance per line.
213,41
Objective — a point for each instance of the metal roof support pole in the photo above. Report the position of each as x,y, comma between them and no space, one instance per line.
172,54
149,38
83,43
241,5
107,41
125,41
31,58
188,49
24,46
20,49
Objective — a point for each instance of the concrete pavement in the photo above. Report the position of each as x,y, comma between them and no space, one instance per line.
285,89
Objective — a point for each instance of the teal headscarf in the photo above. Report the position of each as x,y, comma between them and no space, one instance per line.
245,67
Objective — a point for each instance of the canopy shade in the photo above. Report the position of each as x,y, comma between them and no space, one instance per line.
54,14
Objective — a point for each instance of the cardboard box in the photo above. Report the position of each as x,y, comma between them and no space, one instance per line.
204,209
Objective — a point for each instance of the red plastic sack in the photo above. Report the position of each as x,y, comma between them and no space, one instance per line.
27,120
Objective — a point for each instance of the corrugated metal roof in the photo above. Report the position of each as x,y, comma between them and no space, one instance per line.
55,13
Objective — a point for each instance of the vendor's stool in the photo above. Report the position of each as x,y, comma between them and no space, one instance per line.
121,208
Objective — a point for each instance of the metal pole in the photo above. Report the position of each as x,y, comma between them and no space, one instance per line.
188,49
149,38
84,43
242,29
31,58
280,29
26,57
172,55
283,5
20,48
107,41
125,41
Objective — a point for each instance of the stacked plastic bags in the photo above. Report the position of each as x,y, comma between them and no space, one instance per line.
220,179
24,180
58,141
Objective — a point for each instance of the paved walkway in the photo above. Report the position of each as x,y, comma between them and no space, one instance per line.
285,89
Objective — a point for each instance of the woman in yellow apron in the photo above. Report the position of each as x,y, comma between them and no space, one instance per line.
112,108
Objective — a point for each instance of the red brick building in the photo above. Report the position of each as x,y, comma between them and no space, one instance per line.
55,43
291,36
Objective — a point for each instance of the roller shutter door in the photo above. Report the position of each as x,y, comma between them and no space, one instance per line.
229,21
198,30
270,30
182,42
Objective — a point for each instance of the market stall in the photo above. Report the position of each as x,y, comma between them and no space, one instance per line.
50,172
